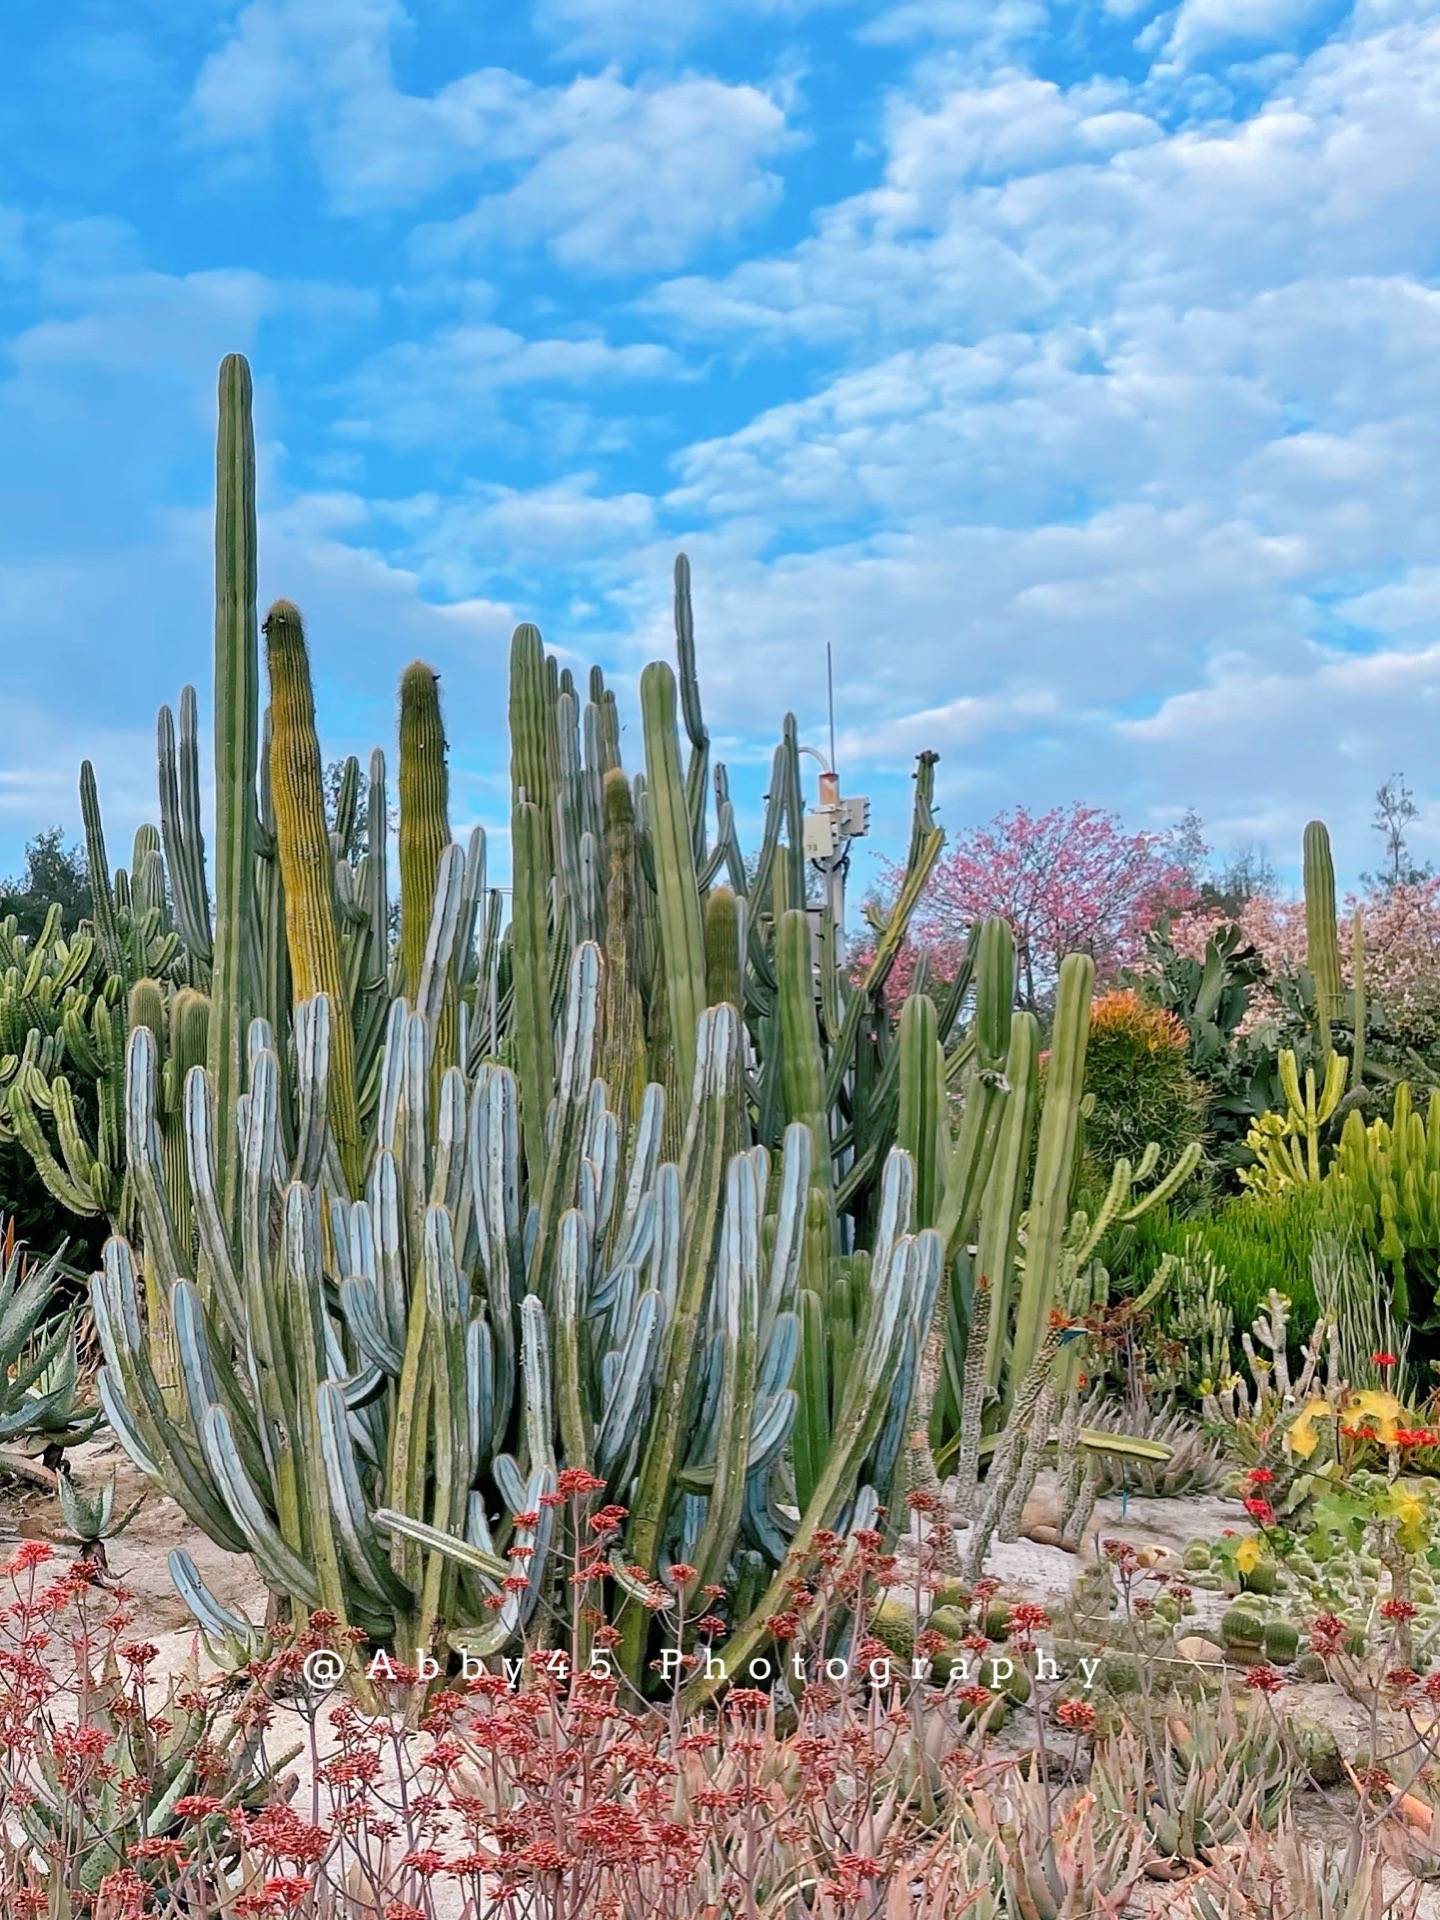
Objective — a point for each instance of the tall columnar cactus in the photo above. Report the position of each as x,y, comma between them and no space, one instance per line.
1322,943
307,865
1005,1191
424,836
1049,1208
1360,1004
802,1060
237,746
967,1160
534,748
682,931
922,1124
424,814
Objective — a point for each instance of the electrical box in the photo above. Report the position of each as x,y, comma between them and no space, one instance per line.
855,818
822,834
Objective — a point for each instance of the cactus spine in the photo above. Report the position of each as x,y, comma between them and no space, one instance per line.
306,866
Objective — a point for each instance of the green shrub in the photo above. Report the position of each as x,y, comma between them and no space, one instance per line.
1259,1241
1137,1069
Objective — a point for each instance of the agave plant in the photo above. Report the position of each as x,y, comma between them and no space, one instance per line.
40,1409
1192,1463
91,1517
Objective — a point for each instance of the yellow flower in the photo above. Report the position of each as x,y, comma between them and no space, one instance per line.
1247,1555
1302,1439
1382,1411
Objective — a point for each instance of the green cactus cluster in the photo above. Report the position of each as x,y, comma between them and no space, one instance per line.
640,1180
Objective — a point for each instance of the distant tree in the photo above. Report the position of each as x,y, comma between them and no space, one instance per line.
1395,809
1249,874
1189,849
53,872
1070,880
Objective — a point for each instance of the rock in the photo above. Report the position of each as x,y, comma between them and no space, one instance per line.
1044,1536
1196,1647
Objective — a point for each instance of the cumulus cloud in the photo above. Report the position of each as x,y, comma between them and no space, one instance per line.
612,175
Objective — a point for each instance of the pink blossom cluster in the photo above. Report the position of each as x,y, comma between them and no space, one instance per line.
1402,946
1070,880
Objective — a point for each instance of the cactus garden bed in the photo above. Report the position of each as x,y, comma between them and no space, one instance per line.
643,1410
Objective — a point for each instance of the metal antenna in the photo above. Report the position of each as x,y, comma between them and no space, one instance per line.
830,695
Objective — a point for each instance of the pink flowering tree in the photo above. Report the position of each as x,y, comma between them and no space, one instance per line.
1070,880
1402,950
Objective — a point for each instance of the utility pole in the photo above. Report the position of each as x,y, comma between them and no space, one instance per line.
831,825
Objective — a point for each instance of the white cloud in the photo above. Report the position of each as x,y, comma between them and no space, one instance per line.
445,387
587,26
1200,26
1007,204
460,542
613,175
987,29
633,177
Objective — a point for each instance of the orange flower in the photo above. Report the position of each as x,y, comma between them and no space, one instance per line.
1154,1027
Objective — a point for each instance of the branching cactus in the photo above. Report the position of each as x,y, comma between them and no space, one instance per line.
367,1408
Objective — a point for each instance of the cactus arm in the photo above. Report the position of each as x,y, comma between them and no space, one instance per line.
534,1038
738,1288
697,769
424,835
1360,1005
1005,1191
802,1064
715,1075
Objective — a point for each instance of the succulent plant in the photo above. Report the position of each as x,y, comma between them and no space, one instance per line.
1204,1785
40,1407
1192,1464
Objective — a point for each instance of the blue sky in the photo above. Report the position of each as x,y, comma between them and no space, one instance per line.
1071,368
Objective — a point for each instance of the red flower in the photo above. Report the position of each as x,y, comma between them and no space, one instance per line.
1078,1715
1260,1477
1264,1679
1260,1511
1382,1360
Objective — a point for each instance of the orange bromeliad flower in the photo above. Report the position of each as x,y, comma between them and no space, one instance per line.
1153,1027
